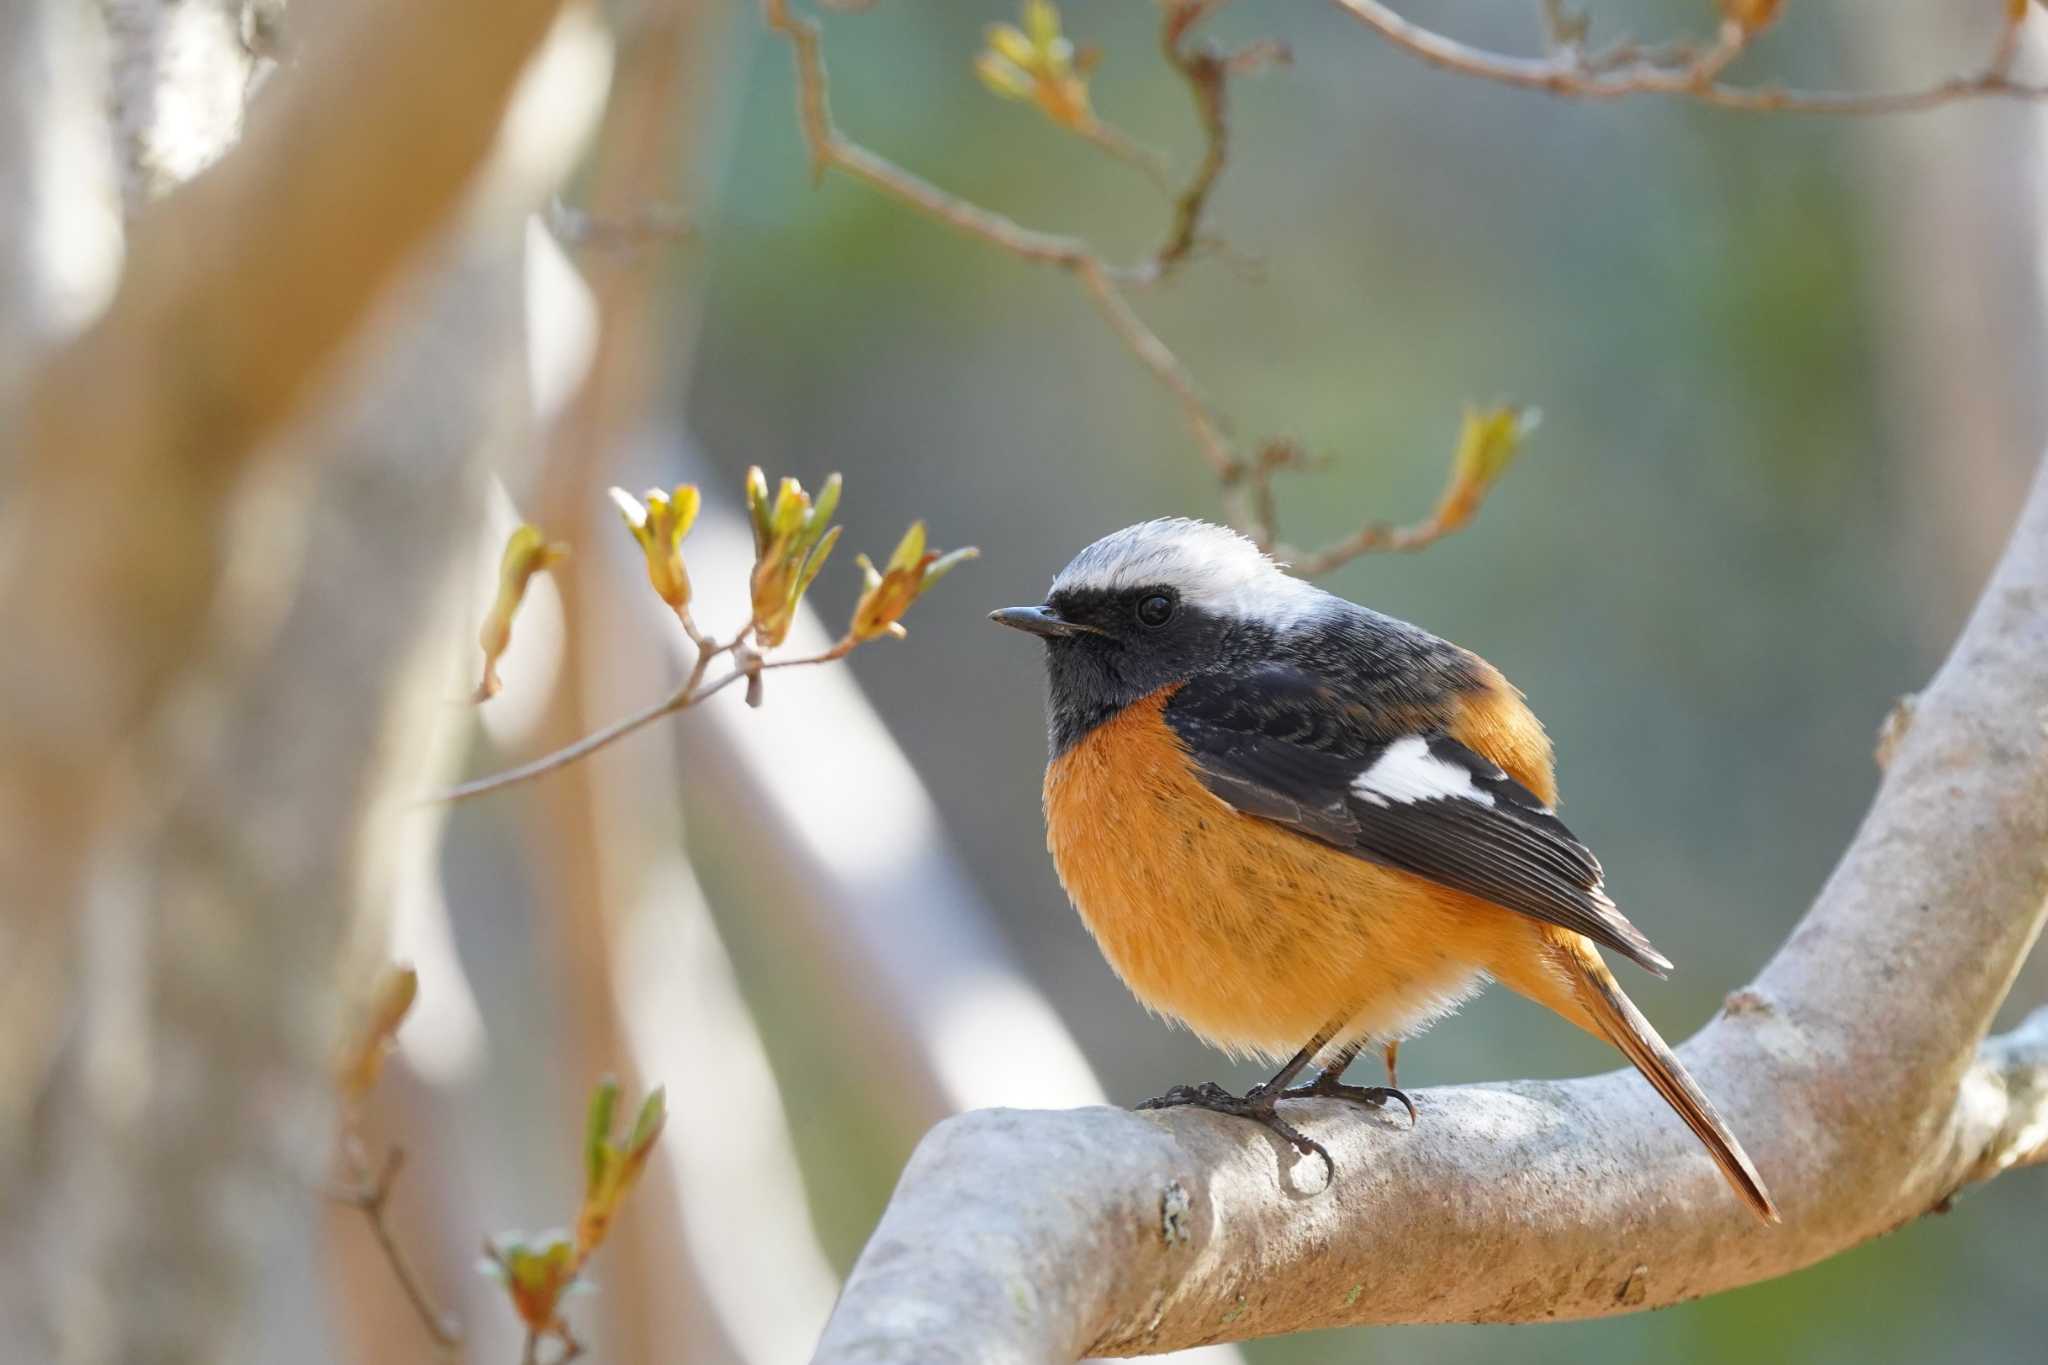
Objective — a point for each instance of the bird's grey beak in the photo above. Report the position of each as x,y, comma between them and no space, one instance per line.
1039,621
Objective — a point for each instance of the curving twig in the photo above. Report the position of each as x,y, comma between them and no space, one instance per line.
1207,72
1855,1068
1375,537
748,664
1629,69
370,1197
1246,481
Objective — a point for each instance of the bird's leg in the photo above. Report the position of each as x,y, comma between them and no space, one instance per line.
1256,1104
1329,1082
1393,1071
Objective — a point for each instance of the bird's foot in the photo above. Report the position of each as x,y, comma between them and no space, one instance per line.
1256,1104
1330,1088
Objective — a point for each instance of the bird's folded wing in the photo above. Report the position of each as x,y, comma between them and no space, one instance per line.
1282,746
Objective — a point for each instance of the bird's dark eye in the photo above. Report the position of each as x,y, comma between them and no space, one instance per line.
1155,611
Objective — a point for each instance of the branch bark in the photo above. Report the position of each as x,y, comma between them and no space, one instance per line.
1854,1069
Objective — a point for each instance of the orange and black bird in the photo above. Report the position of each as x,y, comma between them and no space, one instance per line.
1301,827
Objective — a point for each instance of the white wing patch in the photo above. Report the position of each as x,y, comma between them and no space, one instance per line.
1408,771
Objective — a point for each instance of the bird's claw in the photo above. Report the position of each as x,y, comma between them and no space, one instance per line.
1375,1095
1256,1104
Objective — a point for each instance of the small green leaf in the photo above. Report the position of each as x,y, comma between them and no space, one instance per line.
817,560
1002,77
653,1113
943,565
910,549
1042,22
598,1132
790,505
825,507
1490,439
684,502
757,506
1010,43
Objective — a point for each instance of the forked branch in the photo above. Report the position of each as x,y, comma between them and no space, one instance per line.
694,690
1245,478
1684,70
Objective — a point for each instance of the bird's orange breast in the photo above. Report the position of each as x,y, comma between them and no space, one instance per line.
1254,936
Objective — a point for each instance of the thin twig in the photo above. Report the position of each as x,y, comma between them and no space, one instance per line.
1260,514
1246,483
829,148
1156,356
1207,72
529,1354
1114,142
1566,72
749,665
1376,537
371,1199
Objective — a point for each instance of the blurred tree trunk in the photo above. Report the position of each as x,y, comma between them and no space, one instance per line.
164,1080
1961,229
1956,200
644,167
60,234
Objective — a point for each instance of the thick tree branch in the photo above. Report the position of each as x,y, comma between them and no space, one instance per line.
204,635
238,291
1853,1068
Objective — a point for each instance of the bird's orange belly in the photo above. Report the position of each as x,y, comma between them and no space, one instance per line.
1253,936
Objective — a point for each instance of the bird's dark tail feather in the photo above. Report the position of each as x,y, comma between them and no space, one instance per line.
1601,996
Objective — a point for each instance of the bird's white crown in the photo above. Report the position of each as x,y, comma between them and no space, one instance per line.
1213,568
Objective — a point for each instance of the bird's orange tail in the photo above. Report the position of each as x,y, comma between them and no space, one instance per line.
1596,1003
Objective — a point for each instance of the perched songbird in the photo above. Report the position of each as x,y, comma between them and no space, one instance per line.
1300,827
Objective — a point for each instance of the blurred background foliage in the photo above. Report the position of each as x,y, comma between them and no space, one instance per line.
1726,551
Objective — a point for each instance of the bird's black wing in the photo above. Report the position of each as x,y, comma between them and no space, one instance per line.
1283,745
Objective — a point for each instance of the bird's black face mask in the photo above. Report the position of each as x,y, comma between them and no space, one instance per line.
1108,649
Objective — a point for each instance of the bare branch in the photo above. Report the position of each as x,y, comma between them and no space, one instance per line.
1114,142
1155,355
1207,72
1375,537
1246,483
829,148
1631,70
1865,1104
748,665
371,1198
